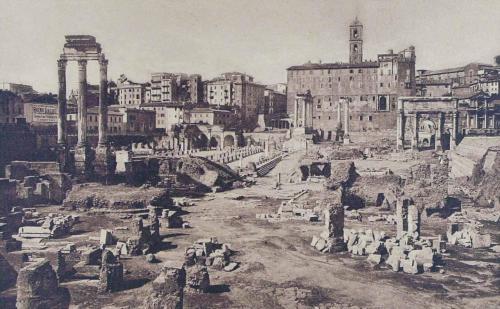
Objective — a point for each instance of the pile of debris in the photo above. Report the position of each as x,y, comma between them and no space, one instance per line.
406,251
168,288
38,182
144,240
52,226
291,211
342,174
209,252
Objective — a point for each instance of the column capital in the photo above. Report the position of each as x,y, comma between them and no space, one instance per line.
103,63
82,64
61,64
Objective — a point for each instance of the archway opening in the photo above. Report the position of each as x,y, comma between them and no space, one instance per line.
228,141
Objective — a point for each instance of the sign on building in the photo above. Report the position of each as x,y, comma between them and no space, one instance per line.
44,113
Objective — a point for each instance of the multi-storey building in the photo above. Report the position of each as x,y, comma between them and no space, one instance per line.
432,88
370,87
274,102
163,87
11,107
239,91
209,116
461,76
122,121
176,87
17,88
167,114
129,93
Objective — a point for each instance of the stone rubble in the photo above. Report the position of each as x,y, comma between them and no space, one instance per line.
168,288
209,252
111,274
38,287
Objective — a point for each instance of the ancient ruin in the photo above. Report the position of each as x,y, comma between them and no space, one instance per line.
369,183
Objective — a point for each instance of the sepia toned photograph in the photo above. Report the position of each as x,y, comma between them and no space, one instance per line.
261,154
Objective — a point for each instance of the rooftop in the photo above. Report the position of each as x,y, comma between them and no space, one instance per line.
334,66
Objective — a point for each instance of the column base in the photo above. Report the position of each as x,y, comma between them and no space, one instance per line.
438,147
63,158
104,164
347,140
83,162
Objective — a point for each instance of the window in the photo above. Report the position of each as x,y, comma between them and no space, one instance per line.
351,71
351,78
360,118
382,104
359,71
381,84
370,118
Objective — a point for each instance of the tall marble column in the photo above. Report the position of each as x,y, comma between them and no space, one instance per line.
400,127
296,114
83,153
437,144
346,122
82,102
485,122
339,114
311,111
104,163
61,102
103,101
304,112
454,131
414,140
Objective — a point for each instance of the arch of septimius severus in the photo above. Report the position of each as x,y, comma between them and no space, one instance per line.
84,48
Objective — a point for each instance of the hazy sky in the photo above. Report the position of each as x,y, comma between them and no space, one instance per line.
261,38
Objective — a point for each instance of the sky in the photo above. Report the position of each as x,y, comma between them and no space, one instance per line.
258,37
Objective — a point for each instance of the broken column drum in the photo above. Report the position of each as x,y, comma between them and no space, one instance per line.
334,220
111,275
407,218
38,287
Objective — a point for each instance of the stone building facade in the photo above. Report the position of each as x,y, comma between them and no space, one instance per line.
11,107
129,93
371,87
168,114
236,90
209,116
122,121
176,87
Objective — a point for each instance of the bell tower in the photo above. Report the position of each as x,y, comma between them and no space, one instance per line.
356,42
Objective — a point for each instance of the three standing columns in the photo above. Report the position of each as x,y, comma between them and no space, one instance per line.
85,162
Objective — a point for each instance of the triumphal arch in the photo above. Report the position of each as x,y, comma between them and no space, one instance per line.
84,48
